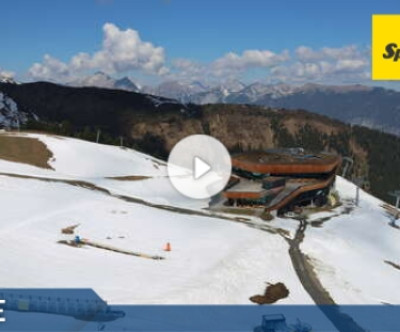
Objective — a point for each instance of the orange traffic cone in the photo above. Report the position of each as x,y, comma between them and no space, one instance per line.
167,247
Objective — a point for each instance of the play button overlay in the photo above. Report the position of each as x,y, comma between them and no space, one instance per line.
199,166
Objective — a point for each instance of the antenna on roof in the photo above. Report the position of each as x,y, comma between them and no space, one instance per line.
396,193
358,181
98,135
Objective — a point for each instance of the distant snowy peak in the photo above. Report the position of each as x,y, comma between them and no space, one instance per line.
102,80
197,92
126,83
235,92
10,116
99,79
180,90
7,79
227,91
282,90
231,86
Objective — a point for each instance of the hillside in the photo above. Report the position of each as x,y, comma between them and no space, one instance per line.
374,107
121,197
153,125
85,106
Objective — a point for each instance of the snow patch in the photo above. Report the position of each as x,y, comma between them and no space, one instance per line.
10,116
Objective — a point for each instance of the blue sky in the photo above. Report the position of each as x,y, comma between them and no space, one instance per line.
189,38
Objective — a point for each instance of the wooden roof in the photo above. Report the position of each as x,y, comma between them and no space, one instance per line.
286,161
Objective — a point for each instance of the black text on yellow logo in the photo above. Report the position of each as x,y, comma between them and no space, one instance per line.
392,52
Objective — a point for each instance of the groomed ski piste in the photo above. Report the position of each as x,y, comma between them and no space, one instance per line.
123,198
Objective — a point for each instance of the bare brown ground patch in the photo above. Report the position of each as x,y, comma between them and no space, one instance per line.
69,230
25,150
273,293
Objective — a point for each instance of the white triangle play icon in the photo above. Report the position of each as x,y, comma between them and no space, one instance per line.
200,168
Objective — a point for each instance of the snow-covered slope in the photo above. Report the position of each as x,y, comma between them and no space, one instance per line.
73,158
349,252
85,159
212,260
123,198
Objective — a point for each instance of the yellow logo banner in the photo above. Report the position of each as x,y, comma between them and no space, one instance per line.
386,47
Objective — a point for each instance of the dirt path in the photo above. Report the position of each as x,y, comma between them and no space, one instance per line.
305,270
313,286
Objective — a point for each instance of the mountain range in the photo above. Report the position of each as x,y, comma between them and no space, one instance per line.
373,107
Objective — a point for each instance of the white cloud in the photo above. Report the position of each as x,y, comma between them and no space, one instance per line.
351,65
235,63
121,51
305,53
346,52
50,69
6,74
184,64
187,70
229,66
124,51
327,65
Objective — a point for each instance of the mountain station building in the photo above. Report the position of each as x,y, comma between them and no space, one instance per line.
281,179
